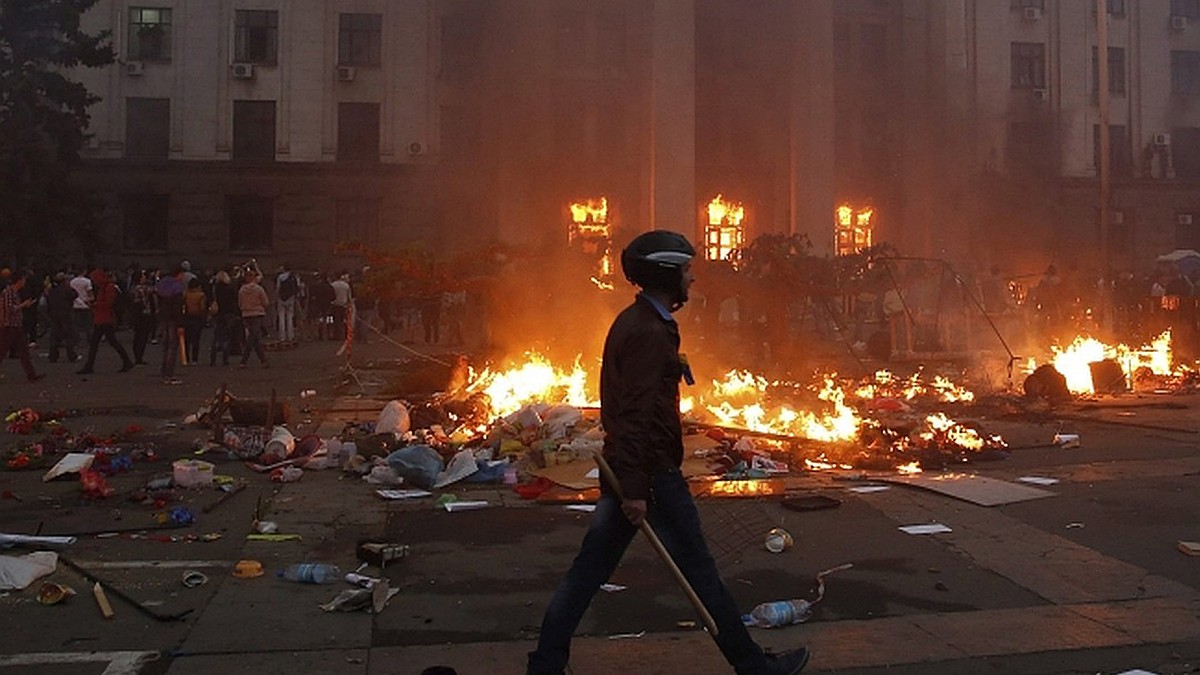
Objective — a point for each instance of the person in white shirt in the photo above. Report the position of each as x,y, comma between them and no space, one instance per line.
342,297
81,307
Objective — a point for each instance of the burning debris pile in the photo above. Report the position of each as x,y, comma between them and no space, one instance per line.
1090,366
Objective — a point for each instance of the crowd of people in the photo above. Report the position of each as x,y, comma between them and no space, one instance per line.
232,311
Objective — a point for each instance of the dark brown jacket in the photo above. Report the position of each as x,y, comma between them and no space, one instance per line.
639,397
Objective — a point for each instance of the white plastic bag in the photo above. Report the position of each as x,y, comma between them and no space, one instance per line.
17,572
393,419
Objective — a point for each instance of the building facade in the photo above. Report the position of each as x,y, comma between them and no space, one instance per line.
295,129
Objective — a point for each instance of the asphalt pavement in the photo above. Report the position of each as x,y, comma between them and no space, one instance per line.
1086,580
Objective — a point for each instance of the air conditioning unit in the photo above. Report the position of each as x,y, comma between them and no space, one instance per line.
1179,22
1162,140
1041,94
1183,219
345,73
416,149
243,71
1031,13
134,68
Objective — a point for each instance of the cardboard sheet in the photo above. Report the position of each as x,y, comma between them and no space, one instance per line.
970,487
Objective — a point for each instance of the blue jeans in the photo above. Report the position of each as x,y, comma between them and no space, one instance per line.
673,515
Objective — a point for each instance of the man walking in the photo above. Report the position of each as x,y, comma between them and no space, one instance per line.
104,323
12,335
81,306
639,409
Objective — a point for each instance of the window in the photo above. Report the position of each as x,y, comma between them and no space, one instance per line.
461,128
461,39
1185,73
256,36
1022,4
358,132
1188,8
149,34
1120,160
147,128
254,130
1028,65
145,222
358,220
1116,70
1116,7
1185,152
251,222
360,39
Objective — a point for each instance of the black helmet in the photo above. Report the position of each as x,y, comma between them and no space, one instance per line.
655,260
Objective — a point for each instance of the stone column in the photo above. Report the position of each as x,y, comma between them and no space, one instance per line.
812,125
673,118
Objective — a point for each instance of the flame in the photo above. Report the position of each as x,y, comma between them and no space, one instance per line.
741,488
724,233
853,228
536,381
839,425
886,384
594,210
910,468
1074,360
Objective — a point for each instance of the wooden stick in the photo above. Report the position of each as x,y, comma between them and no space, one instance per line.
665,555
182,347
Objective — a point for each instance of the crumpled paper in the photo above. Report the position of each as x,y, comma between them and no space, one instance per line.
18,572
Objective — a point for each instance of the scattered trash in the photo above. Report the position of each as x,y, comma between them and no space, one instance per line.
612,588
72,462
778,540
194,578
281,444
393,419
374,599
247,569
864,489
287,474
380,554
51,593
1074,526
932,528
18,572
403,494
587,508
102,602
1190,547
361,580
272,537
8,540
192,473
1066,440
266,526
311,573
1038,480
453,507
789,612
627,636
419,465
94,484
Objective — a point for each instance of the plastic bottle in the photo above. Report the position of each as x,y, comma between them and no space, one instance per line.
311,573
780,613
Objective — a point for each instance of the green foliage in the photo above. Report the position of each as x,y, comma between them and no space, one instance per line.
43,118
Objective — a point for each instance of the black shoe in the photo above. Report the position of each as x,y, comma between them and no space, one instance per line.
126,368
787,663
85,371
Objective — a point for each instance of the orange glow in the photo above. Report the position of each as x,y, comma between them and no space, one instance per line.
853,228
886,384
739,404
724,232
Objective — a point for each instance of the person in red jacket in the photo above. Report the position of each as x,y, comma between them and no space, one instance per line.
104,322
11,334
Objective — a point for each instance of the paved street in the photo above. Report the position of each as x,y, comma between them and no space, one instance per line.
1088,580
